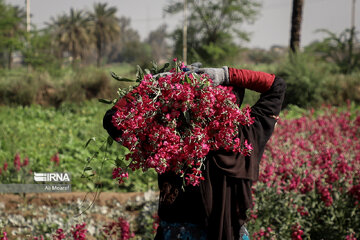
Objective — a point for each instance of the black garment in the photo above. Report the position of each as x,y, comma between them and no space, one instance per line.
221,201
226,191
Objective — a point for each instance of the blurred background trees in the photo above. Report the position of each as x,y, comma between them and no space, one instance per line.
97,41
104,27
72,34
12,25
213,27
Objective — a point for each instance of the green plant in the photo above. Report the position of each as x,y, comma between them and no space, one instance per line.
39,133
308,187
303,75
342,49
337,89
213,26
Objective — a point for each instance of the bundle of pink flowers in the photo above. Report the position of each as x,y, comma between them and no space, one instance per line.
170,123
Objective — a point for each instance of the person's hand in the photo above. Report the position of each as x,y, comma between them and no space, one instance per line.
188,69
219,76
163,74
192,67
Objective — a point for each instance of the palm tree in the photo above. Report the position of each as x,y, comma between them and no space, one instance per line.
72,33
105,27
296,20
14,30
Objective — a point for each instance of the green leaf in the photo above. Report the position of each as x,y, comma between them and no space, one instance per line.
88,141
90,185
110,141
122,150
139,73
188,80
87,169
166,65
154,69
147,71
121,79
106,101
118,162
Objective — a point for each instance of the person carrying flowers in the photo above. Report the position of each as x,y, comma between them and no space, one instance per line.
213,203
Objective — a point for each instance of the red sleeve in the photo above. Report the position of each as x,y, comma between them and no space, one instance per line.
257,81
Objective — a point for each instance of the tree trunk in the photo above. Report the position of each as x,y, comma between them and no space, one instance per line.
296,24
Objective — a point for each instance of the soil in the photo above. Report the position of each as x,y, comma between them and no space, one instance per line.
11,201
15,204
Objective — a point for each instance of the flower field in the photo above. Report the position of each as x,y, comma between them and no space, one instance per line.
309,183
308,188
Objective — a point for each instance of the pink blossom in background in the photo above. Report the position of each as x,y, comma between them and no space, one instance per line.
25,162
4,236
297,232
55,158
17,162
5,166
119,229
59,235
79,232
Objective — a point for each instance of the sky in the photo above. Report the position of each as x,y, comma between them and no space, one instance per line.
272,26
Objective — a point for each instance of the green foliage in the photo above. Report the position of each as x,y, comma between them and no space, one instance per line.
337,89
160,49
146,219
39,133
11,31
261,56
104,27
304,76
342,49
20,87
37,52
280,211
212,27
71,34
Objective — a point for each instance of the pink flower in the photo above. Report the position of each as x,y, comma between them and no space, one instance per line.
79,232
25,162
119,229
55,158
39,238
156,222
350,237
17,162
119,174
59,234
302,211
5,167
296,232
147,76
4,236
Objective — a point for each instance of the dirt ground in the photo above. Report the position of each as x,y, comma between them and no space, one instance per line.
58,205
11,201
